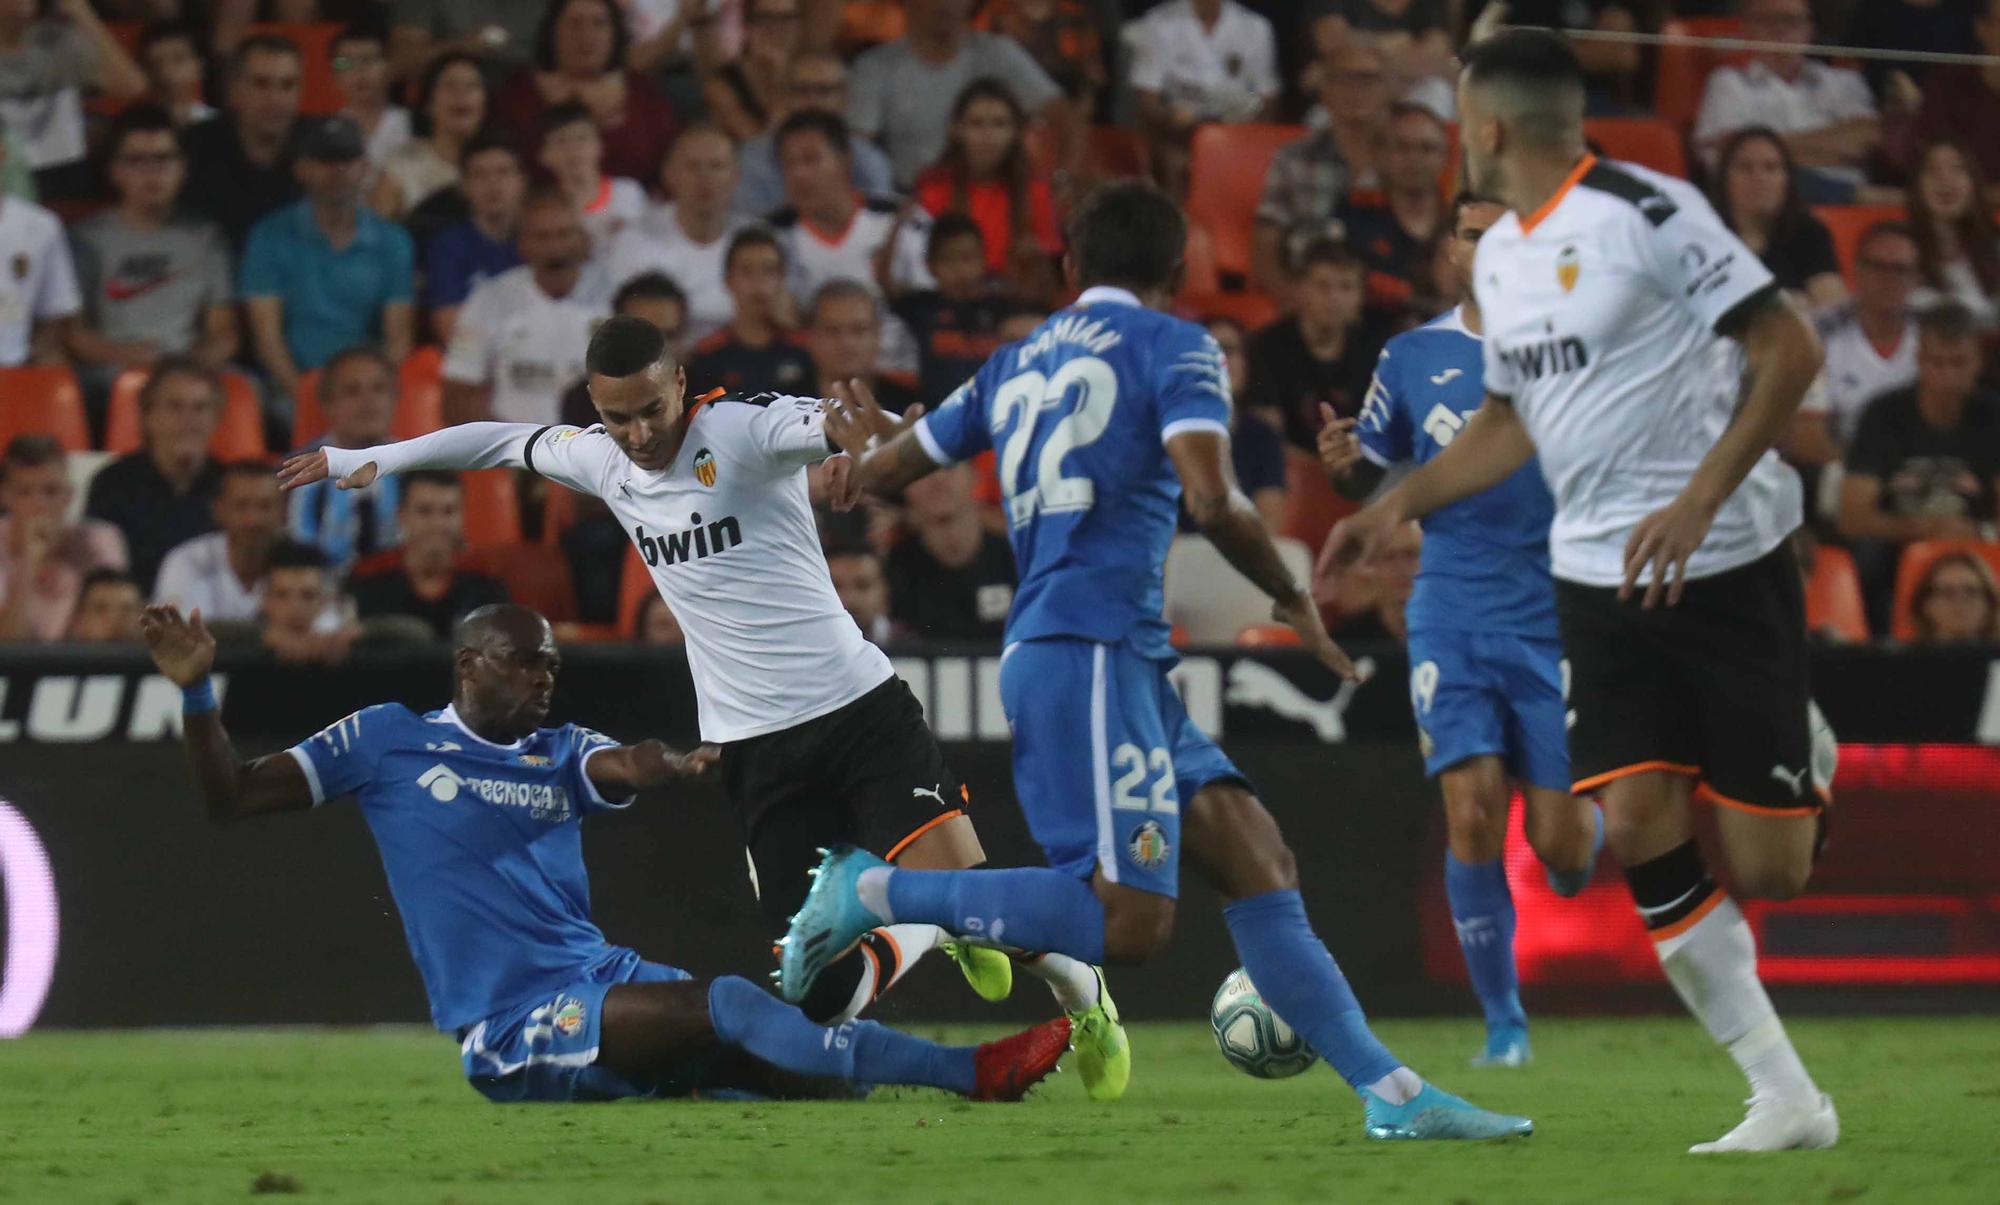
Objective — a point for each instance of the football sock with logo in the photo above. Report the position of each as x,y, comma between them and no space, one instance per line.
1072,983
1031,908
1298,978
1710,956
745,1016
1482,910
884,956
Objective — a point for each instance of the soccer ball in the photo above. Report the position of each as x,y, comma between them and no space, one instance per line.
1252,1036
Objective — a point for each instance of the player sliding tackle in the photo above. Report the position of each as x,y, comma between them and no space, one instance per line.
821,743
477,810
1104,417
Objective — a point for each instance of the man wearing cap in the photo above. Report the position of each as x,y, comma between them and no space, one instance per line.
324,273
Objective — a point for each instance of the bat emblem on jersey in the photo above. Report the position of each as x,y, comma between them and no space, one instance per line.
1447,376
704,467
1568,265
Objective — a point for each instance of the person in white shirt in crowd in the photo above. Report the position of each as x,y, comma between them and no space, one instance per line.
38,295
43,556
361,69
573,153
687,237
816,79
1870,344
900,90
1196,61
357,396
519,341
222,573
47,59
1826,115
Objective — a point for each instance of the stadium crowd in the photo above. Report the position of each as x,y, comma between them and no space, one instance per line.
236,228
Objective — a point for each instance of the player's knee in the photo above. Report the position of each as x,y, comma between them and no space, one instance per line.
1476,826
1234,840
1135,929
1560,838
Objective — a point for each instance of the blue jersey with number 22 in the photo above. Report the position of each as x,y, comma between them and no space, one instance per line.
1079,413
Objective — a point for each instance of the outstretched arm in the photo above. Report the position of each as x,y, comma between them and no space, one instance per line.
625,770
1491,446
466,446
887,453
231,789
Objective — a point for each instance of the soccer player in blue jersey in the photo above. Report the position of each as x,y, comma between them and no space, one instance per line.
1104,418
1486,669
476,809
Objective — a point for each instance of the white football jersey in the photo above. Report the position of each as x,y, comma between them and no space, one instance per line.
1856,373
728,535
1601,312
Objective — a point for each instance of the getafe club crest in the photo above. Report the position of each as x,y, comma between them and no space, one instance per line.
1568,264
704,467
1148,845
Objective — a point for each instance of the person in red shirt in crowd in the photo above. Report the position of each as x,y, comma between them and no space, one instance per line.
985,174
580,59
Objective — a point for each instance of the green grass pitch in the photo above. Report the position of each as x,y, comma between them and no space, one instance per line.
381,1115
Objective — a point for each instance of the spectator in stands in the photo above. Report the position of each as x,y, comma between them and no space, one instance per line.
107,609
1825,114
650,295
1958,247
1393,230
1756,192
1413,35
1925,460
466,254
986,174
816,80
895,85
427,577
668,34
1906,25
686,237
657,624
324,272
743,93
829,231
451,109
361,69
43,556
46,62
1870,344
580,59
176,72
756,352
573,155
1256,450
38,294
1199,61
1310,177
1962,104
950,578
357,396
240,163
160,495
519,340
1323,352
153,282
294,601
1957,602
222,573
864,591
499,33
1616,80
957,324
844,336
1061,36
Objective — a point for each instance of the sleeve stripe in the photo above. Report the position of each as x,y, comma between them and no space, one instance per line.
305,761
1376,458
597,796
1182,426
528,452
1737,318
928,442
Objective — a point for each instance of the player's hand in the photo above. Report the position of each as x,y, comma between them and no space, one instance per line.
837,476
1301,614
308,467
653,762
1360,535
183,649
1663,541
1339,447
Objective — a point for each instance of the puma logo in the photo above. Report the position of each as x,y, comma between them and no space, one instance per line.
920,792
1794,779
1446,377
1253,684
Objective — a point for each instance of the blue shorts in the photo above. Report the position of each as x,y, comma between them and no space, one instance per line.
546,1049
1104,753
1477,693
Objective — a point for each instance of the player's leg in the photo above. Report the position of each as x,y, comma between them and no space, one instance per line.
1565,830
1476,797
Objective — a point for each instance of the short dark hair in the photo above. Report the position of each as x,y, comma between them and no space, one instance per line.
357,31
564,115
545,34
341,358
1522,55
624,346
750,236
1128,233
830,126
292,554
137,119
489,139
842,288
649,286
442,478
1325,253
860,548
157,32
31,451
949,225
104,575
254,469
1888,229
1948,319
168,367
261,43
427,85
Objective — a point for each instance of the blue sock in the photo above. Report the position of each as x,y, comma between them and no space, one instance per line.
749,1018
1482,909
1297,976
1031,908
1570,883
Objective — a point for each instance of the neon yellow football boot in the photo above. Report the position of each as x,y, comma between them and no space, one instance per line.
989,971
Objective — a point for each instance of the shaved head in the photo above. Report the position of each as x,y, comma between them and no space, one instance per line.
1519,95
506,661
509,625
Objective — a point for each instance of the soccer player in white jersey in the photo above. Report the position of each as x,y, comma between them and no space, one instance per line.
1605,291
821,743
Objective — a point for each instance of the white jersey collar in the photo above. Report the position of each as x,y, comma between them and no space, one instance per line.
1454,320
450,716
1109,295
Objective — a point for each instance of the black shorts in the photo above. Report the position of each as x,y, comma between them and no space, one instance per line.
1715,687
868,774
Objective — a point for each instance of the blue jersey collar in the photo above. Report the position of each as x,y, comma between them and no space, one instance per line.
450,716
1109,295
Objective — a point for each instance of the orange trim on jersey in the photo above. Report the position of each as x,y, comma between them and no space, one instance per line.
703,400
833,240
896,947
1637,767
1711,795
874,960
603,197
920,830
1534,219
1691,919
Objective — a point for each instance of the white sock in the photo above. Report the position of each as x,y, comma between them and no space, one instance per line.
1073,983
1399,1087
911,943
871,887
1713,966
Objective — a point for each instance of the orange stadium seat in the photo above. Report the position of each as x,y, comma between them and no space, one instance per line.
1312,505
308,420
1115,151
1917,561
1682,71
38,399
536,575
634,584
1833,596
1646,141
1250,310
1847,223
1200,274
1266,636
420,408
585,633
1225,181
239,437
126,34
318,92
492,507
